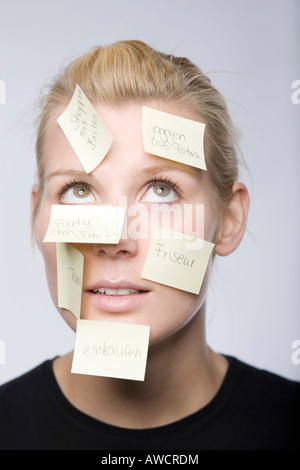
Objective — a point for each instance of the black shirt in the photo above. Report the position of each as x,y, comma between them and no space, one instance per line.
253,409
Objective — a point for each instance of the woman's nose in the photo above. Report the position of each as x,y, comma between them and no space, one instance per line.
125,248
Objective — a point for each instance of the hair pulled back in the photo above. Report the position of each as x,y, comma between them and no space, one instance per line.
133,71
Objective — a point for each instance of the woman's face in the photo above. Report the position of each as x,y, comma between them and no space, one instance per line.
128,174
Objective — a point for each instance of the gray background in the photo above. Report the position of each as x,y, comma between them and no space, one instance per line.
250,50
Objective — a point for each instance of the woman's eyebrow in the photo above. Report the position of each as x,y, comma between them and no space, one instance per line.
66,172
174,166
148,171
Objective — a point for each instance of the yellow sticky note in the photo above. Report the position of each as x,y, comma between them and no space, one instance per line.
87,134
173,137
85,224
177,260
111,349
69,277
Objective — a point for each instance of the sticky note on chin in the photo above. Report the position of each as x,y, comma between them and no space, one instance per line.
173,137
111,349
177,260
69,277
85,224
87,134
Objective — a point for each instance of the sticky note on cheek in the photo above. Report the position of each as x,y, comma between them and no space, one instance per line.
69,277
87,134
111,349
177,260
173,137
85,224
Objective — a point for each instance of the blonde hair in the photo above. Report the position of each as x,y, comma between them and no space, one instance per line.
133,71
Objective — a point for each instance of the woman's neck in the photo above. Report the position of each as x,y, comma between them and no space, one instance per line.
182,376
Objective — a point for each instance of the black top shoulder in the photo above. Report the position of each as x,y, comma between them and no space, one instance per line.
253,409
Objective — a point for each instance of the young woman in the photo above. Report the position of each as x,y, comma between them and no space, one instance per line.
191,398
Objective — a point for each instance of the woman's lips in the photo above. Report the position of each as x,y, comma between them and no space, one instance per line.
116,296
123,291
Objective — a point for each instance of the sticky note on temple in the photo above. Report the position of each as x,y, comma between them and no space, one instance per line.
85,224
111,349
69,277
177,260
173,137
87,134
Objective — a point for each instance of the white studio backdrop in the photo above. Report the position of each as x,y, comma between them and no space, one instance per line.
251,51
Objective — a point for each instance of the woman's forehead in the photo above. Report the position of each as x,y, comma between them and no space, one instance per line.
124,123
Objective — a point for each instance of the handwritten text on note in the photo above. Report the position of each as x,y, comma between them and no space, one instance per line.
87,134
111,349
69,277
171,263
85,224
173,137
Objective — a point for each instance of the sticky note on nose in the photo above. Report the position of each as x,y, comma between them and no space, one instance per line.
177,260
87,134
111,349
85,224
173,137
69,277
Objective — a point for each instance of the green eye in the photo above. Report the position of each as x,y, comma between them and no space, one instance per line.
81,192
77,194
161,190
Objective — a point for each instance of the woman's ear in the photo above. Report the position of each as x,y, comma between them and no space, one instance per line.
233,222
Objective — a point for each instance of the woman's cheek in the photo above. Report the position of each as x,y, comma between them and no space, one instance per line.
49,255
42,223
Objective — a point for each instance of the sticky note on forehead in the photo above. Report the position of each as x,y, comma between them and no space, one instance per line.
173,137
111,349
177,260
87,134
69,278
85,224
